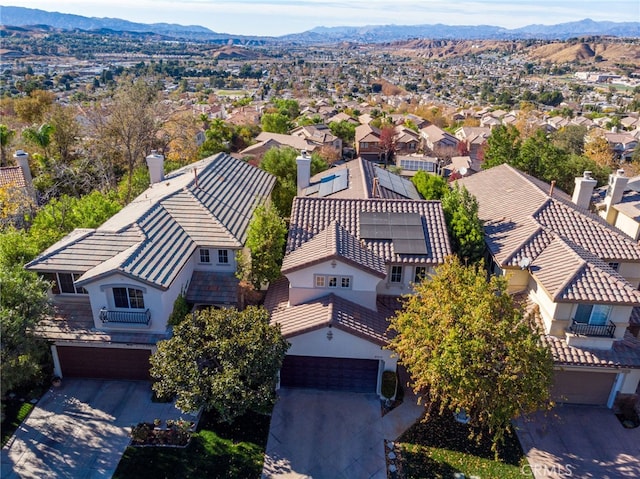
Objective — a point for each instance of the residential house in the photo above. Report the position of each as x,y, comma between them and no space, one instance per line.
438,141
578,275
407,141
266,140
475,138
18,196
622,144
367,141
114,286
619,203
319,135
342,116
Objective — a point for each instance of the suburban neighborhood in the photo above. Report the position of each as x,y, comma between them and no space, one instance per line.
305,258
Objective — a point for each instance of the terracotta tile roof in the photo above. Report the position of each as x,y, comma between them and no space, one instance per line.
310,216
334,242
568,246
329,310
623,354
12,176
583,278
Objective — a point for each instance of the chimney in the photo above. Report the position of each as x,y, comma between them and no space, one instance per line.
617,184
303,163
155,162
22,160
583,190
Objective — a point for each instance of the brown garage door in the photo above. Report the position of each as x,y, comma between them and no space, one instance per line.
582,387
104,363
338,374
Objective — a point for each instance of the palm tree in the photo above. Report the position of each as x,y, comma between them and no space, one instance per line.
39,137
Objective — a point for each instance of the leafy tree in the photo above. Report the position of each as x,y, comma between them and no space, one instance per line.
6,136
23,302
265,239
388,142
551,98
32,108
281,162
276,123
503,146
39,137
431,187
218,138
570,139
597,149
464,227
344,130
539,157
65,133
635,156
287,107
467,347
223,360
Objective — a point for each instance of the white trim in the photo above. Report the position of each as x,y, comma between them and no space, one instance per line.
104,287
57,369
617,384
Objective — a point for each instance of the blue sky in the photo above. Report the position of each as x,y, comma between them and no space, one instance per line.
279,17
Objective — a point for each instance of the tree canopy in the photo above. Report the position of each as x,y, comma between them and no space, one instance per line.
265,239
431,187
465,228
223,360
281,162
467,346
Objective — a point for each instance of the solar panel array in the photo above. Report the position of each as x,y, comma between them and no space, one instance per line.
404,229
416,165
396,183
329,184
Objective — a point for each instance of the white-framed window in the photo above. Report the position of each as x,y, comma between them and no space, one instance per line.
130,298
420,274
333,282
596,314
223,256
396,274
205,257
63,283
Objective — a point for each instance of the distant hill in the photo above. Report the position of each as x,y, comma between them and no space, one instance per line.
19,16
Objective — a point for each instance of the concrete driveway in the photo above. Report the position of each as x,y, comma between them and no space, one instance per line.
579,441
332,435
81,429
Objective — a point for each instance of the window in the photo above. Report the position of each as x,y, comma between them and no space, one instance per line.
345,282
596,314
320,282
364,145
396,274
614,266
420,275
64,283
333,281
128,298
223,256
204,256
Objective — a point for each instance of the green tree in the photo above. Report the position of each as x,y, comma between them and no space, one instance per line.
503,146
23,303
39,137
570,139
431,187
223,360
276,123
265,239
218,136
6,136
281,162
465,228
287,107
467,347
345,130
539,157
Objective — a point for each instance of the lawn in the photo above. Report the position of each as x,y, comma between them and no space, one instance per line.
216,451
17,406
441,447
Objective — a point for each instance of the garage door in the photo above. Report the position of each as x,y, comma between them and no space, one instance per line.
338,374
582,387
104,363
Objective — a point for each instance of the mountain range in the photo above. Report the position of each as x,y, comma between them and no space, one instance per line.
19,16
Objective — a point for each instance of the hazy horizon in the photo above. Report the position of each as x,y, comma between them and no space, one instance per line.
281,17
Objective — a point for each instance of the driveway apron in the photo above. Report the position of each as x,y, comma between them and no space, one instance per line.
81,429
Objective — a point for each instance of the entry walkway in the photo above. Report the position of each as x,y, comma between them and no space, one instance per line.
333,435
81,429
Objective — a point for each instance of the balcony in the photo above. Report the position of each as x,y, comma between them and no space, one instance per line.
595,330
125,317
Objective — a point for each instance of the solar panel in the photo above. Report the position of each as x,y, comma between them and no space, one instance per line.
404,229
416,165
331,183
396,184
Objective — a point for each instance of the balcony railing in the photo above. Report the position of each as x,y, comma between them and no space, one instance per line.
125,317
586,329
